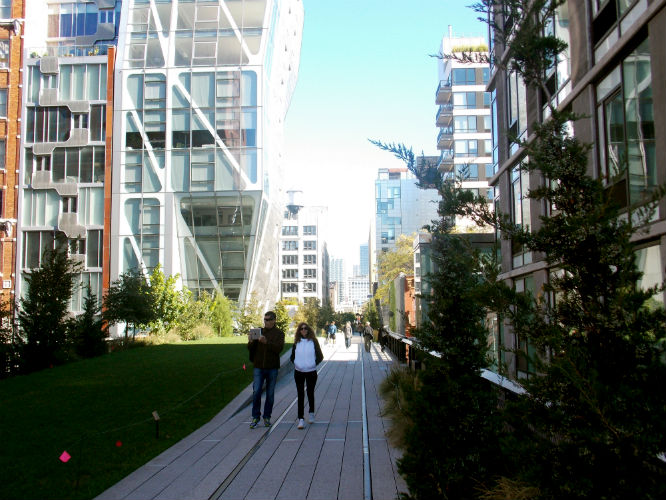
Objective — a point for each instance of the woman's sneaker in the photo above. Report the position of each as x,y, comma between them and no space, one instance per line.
267,422
254,423
301,423
311,419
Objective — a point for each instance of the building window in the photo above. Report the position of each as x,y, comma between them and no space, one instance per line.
290,273
69,204
3,103
4,54
309,273
393,192
517,110
310,230
290,245
289,230
464,123
520,213
464,76
290,287
3,145
310,287
464,100
5,9
625,115
309,245
466,147
290,260
309,259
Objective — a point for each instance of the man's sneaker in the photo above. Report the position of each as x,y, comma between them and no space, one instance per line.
254,423
311,419
301,423
267,422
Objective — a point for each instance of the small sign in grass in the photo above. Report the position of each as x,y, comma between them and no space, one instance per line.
99,413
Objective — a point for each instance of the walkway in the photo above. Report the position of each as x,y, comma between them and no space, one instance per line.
343,455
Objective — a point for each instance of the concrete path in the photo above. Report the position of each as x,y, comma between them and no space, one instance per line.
343,455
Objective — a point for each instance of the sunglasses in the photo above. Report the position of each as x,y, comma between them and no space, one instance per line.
303,328
269,319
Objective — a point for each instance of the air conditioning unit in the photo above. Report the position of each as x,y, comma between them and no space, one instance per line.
6,283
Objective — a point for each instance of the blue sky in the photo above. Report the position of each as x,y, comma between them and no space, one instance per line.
365,72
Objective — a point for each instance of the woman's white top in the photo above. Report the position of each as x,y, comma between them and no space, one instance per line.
304,357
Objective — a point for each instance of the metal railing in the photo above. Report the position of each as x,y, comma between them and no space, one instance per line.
408,350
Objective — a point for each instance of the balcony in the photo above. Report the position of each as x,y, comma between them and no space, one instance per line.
445,160
444,114
443,93
445,138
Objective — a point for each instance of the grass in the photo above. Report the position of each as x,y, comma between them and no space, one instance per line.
100,411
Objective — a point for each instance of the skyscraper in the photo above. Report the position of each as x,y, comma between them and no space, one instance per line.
363,260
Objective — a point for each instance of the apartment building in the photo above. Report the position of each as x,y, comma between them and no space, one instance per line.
303,255
67,110
463,118
612,74
12,22
185,103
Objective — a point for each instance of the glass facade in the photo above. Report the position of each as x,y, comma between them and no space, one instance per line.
194,160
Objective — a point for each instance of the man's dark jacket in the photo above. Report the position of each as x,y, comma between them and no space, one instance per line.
267,356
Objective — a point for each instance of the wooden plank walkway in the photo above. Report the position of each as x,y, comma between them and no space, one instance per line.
225,459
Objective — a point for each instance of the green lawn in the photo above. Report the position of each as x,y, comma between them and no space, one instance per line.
100,412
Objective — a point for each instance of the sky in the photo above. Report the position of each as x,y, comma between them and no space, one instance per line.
365,73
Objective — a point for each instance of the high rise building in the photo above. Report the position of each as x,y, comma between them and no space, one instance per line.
304,271
463,118
401,206
612,74
188,113
364,268
12,14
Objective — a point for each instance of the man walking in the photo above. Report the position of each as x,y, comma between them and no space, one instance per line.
332,330
368,335
265,356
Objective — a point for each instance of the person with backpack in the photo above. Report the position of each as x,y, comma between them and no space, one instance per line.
332,330
368,335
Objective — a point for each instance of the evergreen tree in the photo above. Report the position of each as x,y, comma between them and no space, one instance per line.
43,312
87,332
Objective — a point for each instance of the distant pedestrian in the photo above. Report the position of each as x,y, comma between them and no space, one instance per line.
265,356
348,334
368,334
328,323
332,330
306,355
383,337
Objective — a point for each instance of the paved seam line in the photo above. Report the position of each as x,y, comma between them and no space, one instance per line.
232,475
367,484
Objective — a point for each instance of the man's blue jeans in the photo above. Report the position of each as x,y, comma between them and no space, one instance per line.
270,376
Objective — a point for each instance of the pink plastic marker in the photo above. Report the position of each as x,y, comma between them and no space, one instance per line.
65,457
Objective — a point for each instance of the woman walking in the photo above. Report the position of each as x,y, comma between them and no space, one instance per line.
306,355
348,334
